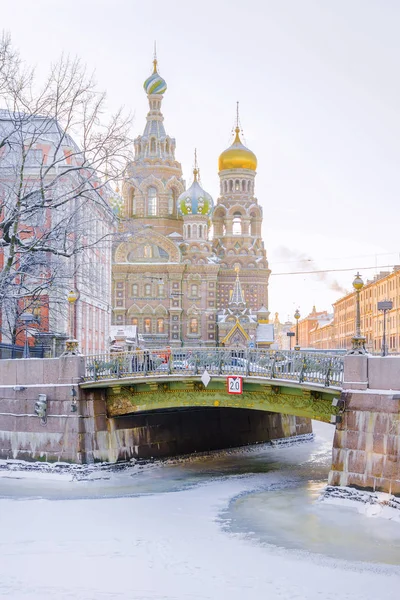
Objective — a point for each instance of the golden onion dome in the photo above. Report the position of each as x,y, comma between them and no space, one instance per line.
237,156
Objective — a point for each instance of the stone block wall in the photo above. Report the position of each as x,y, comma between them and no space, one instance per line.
366,447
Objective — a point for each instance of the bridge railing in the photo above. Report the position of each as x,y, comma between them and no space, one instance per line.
297,366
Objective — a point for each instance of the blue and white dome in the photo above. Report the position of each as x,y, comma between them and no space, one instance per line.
155,84
195,200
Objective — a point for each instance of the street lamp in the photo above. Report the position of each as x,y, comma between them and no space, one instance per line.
358,341
297,317
27,319
71,345
384,306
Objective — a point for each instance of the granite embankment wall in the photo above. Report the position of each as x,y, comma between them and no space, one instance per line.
366,447
88,435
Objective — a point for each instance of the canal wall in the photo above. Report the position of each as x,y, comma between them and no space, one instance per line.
77,428
366,446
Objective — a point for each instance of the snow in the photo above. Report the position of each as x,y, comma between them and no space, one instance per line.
166,545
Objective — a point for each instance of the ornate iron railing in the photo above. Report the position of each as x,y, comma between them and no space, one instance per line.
302,367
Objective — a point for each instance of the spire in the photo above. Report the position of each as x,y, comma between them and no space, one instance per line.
237,128
237,294
196,168
155,58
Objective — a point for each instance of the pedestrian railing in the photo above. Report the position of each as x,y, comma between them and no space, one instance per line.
296,366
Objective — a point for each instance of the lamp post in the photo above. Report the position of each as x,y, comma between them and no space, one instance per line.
297,317
71,345
27,319
358,341
384,306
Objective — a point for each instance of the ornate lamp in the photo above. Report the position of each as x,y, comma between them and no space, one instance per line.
358,341
71,345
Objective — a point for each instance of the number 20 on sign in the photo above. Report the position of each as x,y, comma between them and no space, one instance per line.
234,384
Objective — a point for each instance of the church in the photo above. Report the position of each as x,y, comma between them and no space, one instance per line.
188,271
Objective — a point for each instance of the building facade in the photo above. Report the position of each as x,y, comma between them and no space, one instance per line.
54,202
178,257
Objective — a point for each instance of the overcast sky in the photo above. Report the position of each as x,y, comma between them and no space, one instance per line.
318,85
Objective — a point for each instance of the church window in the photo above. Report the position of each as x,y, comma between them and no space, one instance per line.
147,325
188,232
135,290
134,321
243,185
237,224
171,202
200,231
160,326
152,202
153,146
237,185
194,325
167,147
194,231
147,289
194,290
148,252
161,289
249,186
231,185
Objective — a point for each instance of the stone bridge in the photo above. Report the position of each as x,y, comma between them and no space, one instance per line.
115,407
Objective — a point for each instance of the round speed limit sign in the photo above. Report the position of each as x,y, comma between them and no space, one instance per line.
234,384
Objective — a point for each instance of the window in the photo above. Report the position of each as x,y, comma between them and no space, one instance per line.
188,231
193,325
134,322
153,146
147,289
147,325
135,290
160,325
237,185
152,201
194,290
148,252
171,202
237,224
200,231
161,289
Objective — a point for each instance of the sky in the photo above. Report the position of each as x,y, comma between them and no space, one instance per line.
319,97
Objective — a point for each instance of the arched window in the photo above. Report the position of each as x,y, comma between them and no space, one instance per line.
147,326
200,231
148,251
237,185
133,203
152,202
167,147
134,321
194,290
160,326
147,289
249,186
188,232
135,290
237,224
153,146
243,185
194,325
171,202
194,231
231,185
161,289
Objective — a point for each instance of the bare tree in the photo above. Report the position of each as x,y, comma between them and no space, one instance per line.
58,155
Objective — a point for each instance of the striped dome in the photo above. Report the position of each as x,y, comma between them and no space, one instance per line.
195,201
155,84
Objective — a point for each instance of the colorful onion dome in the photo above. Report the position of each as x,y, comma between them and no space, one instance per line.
155,84
237,156
195,201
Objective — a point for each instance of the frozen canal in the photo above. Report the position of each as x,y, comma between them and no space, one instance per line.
242,525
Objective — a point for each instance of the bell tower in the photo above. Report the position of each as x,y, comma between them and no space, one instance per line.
237,221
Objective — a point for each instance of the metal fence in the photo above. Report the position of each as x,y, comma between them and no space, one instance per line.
14,351
296,366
